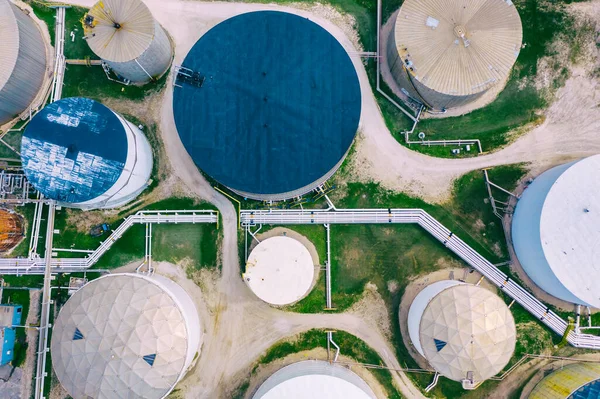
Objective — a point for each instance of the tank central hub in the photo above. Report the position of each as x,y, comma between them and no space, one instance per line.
460,31
117,25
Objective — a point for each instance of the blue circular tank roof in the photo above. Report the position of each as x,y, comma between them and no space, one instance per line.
591,390
279,105
74,150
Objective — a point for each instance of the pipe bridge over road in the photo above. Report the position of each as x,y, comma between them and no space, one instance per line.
442,234
65,265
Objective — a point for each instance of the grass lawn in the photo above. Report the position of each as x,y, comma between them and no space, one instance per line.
350,346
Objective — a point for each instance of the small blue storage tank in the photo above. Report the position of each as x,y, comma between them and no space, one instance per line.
82,154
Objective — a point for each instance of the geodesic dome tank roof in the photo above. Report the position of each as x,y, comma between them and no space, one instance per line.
458,47
122,29
74,150
467,331
120,336
278,109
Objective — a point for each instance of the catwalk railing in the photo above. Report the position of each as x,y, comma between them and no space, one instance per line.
21,266
442,234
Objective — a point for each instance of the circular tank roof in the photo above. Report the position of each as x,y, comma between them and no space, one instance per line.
9,45
458,47
467,332
574,381
279,106
314,379
74,150
280,270
11,229
119,30
570,229
120,336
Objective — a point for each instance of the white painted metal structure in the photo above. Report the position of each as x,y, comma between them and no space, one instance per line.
125,336
314,379
556,231
465,332
280,270
23,65
21,266
125,35
453,51
440,233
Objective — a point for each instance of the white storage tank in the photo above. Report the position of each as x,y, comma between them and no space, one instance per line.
127,336
556,231
128,38
453,51
465,332
280,270
314,379
82,154
23,65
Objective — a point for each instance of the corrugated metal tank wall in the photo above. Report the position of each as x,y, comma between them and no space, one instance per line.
135,176
526,235
154,61
431,98
28,75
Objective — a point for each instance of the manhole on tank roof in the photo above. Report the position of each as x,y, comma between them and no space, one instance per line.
279,106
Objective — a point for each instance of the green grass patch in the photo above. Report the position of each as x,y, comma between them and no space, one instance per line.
77,48
46,14
91,82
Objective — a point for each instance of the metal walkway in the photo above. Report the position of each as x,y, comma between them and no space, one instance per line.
23,266
442,234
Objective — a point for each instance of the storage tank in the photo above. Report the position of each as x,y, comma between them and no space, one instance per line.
313,379
556,233
82,154
125,336
23,65
11,230
128,38
274,115
465,332
280,270
450,52
574,381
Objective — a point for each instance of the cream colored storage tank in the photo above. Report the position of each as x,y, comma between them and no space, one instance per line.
125,336
465,332
314,379
556,231
22,61
128,38
452,51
